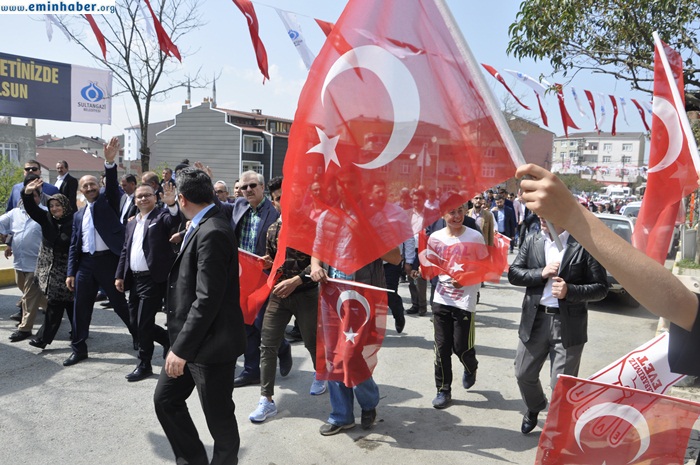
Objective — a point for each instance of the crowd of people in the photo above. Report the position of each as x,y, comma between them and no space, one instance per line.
173,244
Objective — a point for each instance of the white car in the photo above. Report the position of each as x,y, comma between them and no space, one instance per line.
631,209
623,226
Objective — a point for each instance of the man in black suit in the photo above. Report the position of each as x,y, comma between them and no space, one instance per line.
127,203
205,324
554,321
251,217
504,219
67,184
96,244
144,265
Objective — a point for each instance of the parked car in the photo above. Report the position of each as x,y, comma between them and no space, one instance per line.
623,226
631,209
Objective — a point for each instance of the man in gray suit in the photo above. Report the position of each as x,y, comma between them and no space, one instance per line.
205,325
554,316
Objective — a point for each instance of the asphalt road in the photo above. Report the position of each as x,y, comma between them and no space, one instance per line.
89,414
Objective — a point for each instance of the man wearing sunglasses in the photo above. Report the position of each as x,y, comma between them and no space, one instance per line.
30,167
251,217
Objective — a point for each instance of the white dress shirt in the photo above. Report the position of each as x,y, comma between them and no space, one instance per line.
552,254
90,234
137,259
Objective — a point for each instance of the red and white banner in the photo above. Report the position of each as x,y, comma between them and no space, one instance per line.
351,328
645,368
673,157
253,283
248,10
593,423
166,44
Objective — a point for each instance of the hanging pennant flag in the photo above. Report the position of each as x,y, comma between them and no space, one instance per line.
248,11
325,26
98,35
602,111
536,86
623,104
364,112
566,120
500,79
352,324
673,157
614,122
578,103
294,31
148,24
49,28
166,45
641,114
591,102
595,423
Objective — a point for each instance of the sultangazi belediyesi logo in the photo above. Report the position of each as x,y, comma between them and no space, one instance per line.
92,93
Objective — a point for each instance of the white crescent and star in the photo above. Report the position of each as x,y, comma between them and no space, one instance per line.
403,93
668,115
624,412
352,295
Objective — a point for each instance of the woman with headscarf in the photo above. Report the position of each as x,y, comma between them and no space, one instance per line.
52,265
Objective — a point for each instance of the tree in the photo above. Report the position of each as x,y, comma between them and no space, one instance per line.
576,183
134,57
611,37
10,174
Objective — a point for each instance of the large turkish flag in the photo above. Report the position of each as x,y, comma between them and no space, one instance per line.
672,174
594,423
351,327
253,282
390,82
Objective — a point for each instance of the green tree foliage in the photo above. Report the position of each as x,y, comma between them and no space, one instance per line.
10,174
611,37
575,183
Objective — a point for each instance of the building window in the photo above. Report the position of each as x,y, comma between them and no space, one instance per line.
573,153
590,158
572,143
607,147
626,147
592,146
488,171
253,144
252,166
607,159
626,158
405,168
9,150
490,153
280,127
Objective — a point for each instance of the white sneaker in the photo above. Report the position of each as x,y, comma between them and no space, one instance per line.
265,409
317,387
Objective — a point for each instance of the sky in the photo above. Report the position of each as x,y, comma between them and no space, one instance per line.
222,47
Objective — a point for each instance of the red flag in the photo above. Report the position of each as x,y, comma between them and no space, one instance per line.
351,327
248,11
467,262
366,112
614,105
595,423
500,79
672,171
166,44
98,34
566,120
641,114
325,26
591,102
253,282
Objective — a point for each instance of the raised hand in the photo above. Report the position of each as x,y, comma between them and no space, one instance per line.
111,150
169,195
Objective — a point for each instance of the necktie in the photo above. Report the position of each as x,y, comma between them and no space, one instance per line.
187,234
91,234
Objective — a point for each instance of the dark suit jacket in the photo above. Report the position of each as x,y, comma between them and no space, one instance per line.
69,188
205,322
510,222
235,211
156,246
586,281
16,194
106,221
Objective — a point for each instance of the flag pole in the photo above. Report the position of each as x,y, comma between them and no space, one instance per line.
485,91
678,102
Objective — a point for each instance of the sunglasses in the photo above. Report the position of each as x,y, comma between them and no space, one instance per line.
31,168
245,187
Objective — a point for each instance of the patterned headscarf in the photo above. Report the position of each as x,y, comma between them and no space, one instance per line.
65,203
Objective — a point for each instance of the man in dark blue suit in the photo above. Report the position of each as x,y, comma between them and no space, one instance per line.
96,244
504,218
30,167
144,265
251,217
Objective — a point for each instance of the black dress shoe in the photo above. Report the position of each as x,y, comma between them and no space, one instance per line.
19,335
142,371
400,323
16,316
100,297
74,358
241,381
412,311
38,343
529,422
107,304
